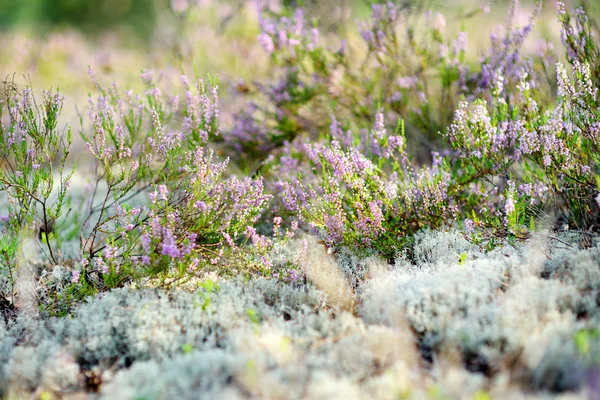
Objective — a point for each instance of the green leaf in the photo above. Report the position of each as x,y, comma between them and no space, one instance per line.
582,339
253,315
482,396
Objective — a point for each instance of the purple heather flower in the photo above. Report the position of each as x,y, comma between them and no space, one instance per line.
147,77
509,206
260,241
290,198
193,264
277,225
163,192
379,131
229,240
169,247
156,227
190,245
102,265
367,36
377,12
461,43
437,159
201,206
75,275
314,38
266,42
293,275
146,240
110,253
266,261
469,226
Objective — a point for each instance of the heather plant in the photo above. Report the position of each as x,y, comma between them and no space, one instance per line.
311,77
34,179
152,205
369,201
418,75
134,153
578,35
536,155
158,189
512,159
302,63
373,185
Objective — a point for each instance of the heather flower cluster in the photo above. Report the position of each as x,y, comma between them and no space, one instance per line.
201,222
369,194
158,202
34,179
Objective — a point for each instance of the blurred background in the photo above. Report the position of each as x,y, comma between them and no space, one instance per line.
42,16
141,17
51,43
180,30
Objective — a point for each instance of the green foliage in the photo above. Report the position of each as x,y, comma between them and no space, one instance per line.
582,340
34,177
137,16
